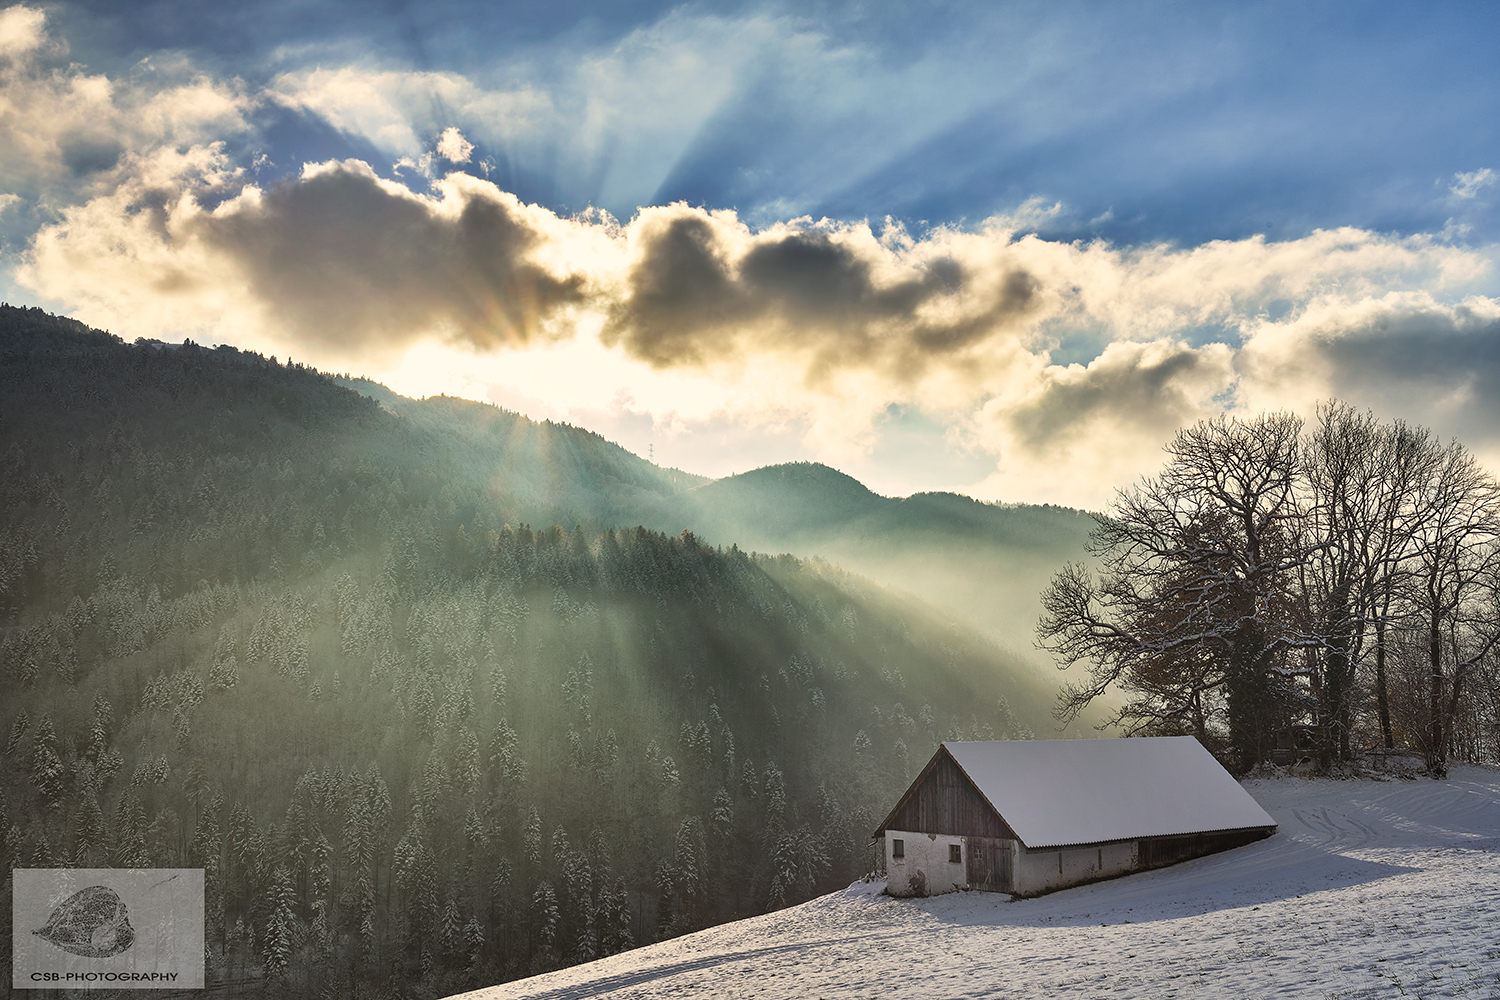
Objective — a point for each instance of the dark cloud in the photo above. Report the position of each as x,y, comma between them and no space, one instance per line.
1150,388
701,289
681,295
1418,363
343,259
90,154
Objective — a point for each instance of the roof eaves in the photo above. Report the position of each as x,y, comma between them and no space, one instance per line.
1272,828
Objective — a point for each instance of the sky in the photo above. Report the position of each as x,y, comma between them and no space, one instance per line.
1005,249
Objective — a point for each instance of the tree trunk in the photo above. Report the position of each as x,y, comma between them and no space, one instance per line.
1382,695
1437,763
1460,673
1332,711
1249,695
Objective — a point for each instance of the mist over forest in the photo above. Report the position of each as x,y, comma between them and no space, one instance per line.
980,564
983,564
439,696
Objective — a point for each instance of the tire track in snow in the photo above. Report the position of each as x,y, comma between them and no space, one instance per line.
1335,832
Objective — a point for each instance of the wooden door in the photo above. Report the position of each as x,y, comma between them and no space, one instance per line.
989,864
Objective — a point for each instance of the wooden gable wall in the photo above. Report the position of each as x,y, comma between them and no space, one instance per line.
944,800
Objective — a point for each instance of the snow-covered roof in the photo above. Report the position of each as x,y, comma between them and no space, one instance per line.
1058,792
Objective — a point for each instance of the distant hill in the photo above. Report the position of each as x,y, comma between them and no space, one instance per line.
983,564
798,500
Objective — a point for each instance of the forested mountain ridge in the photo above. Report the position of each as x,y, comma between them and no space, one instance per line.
570,475
804,500
983,563
254,621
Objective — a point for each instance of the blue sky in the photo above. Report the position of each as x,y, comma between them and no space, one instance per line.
1183,122
999,248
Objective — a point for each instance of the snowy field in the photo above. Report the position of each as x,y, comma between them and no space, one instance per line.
1369,889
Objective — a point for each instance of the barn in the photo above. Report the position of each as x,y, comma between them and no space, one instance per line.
1028,817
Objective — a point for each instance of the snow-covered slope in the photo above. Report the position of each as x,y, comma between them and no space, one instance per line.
1369,889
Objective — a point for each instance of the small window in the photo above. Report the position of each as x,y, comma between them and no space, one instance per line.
898,848
955,854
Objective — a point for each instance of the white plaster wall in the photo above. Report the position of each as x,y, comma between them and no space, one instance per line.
926,853
1040,871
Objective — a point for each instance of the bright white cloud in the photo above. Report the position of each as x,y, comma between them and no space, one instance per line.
22,31
1468,185
453,147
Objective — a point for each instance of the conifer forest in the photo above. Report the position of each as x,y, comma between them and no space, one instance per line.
414,688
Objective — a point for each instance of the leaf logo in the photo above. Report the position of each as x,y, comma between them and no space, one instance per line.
92,922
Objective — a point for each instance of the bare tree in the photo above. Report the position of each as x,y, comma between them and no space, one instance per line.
1193,606
1359,516
1455,563
1258,557
1409,457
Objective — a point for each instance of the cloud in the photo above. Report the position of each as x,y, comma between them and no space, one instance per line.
1073,433
1468,185
1148,390
453,147
343,257
702,287
22,31
335,260
397,111
67,136
600,126
1403,354
819,324
151,226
